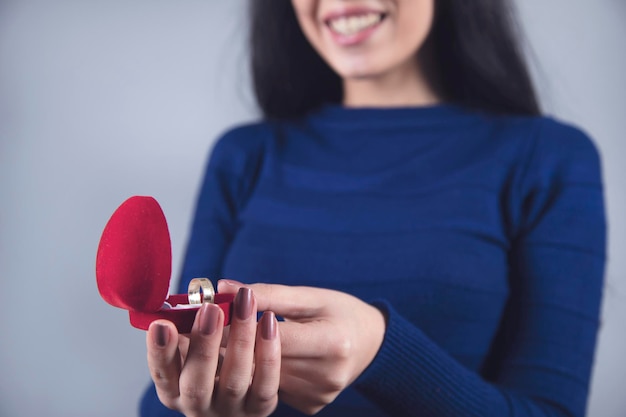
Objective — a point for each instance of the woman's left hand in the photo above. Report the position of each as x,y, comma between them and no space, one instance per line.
328,339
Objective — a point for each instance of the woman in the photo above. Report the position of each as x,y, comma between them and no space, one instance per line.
442,245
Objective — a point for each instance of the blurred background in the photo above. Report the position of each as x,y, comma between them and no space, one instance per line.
101,100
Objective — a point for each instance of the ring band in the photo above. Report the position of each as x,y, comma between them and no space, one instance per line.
200,290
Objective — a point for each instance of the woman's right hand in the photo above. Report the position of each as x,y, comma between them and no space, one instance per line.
190,377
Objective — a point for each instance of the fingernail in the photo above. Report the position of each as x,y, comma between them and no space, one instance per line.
161,335
209,314
243,303
268,325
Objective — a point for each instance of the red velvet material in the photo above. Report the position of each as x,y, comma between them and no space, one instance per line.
134,264
183,319
134,260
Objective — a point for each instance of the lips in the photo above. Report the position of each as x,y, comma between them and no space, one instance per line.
353,26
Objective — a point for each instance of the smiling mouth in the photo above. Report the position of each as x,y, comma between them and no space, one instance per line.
351,25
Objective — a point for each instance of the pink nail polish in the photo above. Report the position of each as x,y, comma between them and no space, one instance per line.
209,315
243,303
268,325
161,335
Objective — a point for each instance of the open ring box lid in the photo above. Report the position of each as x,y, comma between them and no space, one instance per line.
134,264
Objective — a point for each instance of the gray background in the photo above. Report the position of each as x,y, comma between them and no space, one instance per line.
101,100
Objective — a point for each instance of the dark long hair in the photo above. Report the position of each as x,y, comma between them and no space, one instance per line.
478,62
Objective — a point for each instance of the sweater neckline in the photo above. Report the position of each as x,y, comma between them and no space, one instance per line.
336,115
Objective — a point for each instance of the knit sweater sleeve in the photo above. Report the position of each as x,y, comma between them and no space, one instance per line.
228,179
541,359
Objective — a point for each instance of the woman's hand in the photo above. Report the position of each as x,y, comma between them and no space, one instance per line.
328,339
190,377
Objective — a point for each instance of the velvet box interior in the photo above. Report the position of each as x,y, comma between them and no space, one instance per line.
134,264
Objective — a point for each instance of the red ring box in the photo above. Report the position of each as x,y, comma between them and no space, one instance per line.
134,264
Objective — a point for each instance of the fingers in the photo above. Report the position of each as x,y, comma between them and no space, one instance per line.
263,394
313,340
294,303
225,334
236,370
164,360
197,376
197,379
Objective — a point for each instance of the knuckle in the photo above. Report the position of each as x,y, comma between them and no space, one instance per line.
232,390
194,395
159,376
267,362
241,344
341,347
264,398
335,384
325,399
262,402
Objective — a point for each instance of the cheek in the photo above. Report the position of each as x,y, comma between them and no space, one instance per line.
415,22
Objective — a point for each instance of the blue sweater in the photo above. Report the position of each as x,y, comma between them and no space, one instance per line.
482,238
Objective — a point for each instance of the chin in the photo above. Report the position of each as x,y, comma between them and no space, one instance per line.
359,71
361,75
368,66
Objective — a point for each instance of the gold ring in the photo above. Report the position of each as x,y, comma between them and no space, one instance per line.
200,290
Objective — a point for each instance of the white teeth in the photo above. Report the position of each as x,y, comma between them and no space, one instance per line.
353,24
